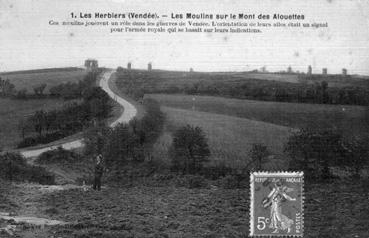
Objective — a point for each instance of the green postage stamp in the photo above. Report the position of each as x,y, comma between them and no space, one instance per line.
276,204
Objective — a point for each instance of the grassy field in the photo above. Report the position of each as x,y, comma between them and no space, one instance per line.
230,138
52,77
351,119
11,111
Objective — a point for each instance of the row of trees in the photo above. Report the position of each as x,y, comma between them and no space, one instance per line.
227,86
69,90
315,93
73,117
7,89
72,90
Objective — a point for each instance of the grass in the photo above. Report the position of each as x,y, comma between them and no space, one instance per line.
52,77
350,119
230,138
335,209
11,111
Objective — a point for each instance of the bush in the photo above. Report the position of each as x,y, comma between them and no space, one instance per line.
189,150
15,168
21,94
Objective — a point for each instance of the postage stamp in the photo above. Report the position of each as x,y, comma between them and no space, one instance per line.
276,204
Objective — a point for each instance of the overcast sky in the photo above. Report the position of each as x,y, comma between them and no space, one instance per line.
27,41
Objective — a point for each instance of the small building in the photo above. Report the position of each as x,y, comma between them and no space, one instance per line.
289,69
129,65
149,67
310,70
324,71
91,64
344,72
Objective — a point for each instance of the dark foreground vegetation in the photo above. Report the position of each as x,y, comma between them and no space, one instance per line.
308,90
334,209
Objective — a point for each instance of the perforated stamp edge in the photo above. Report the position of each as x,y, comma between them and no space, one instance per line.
271,174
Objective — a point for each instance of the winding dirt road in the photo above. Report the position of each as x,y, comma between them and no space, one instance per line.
129,112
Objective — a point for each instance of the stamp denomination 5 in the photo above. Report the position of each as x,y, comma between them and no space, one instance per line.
276,206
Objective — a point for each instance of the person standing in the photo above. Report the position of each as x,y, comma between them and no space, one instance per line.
99,169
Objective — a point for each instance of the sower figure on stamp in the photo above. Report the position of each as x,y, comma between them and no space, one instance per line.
99,169
278,220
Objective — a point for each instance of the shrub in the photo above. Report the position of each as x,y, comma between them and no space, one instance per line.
21,94
15,168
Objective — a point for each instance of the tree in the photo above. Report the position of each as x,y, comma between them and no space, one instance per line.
258,152
95,140
39,120
99,103
313,151
22,126
6,88
325,95
189,149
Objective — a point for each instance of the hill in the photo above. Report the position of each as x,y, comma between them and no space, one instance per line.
29,78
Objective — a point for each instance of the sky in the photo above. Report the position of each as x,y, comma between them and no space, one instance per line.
28,41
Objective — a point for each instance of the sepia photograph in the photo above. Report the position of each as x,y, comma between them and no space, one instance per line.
193,119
